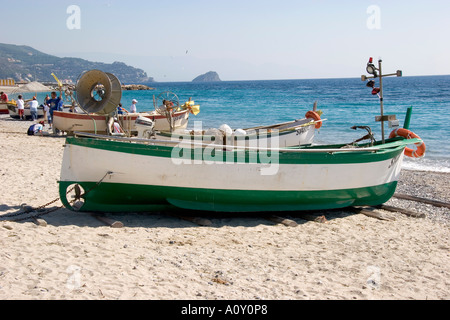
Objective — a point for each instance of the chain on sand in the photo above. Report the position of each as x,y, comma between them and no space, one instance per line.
31,210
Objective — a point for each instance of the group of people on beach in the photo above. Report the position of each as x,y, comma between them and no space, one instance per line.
50,104
55,103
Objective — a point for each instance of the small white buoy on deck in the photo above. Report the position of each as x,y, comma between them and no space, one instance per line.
226,129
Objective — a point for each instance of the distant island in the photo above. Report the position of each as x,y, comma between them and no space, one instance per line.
23,63
210,76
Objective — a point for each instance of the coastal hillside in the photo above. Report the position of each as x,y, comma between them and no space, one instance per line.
210,76
24,63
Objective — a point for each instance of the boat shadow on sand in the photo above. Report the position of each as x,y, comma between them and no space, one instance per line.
173,218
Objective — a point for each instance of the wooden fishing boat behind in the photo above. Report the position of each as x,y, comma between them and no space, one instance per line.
98,95
286,134
97,123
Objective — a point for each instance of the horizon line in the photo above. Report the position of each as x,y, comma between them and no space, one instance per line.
330,78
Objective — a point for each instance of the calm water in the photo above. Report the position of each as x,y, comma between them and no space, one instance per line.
344,102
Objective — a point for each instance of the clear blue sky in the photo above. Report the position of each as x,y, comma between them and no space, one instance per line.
241,40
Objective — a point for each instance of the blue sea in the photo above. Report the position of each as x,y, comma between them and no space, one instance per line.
344,102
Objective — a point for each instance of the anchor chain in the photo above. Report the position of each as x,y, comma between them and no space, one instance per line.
31,209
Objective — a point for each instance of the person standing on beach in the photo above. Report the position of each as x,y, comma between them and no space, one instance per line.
46,109
21,107
121,110
60,105
33,108
53,104
133,106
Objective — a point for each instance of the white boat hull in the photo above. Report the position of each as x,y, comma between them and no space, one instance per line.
220,180
298,133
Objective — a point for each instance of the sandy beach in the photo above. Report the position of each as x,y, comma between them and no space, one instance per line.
240,256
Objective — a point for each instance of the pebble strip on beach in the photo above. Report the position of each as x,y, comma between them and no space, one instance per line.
428,185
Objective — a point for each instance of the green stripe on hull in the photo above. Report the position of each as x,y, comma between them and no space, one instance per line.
115,197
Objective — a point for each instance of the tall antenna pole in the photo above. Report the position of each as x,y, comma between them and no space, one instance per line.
377,73
381,100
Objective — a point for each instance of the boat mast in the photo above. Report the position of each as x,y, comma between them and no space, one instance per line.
376,72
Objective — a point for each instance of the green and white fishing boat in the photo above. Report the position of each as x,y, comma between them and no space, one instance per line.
112,174
118,174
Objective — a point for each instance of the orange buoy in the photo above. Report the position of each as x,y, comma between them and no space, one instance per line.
314,115
405,133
